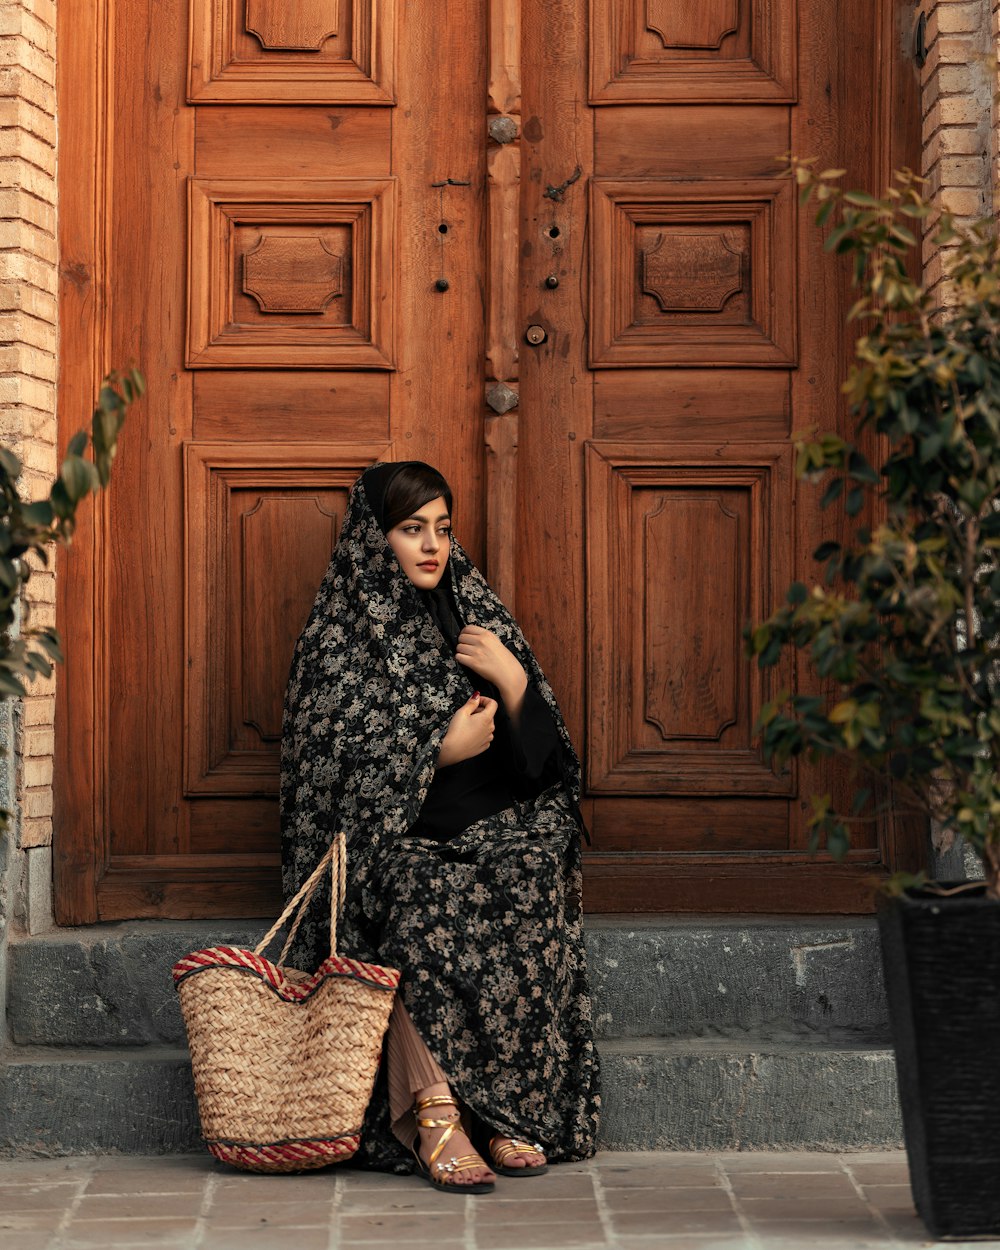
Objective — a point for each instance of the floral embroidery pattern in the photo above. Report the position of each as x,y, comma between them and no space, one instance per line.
487,927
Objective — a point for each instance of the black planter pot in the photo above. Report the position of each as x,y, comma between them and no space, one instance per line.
942,971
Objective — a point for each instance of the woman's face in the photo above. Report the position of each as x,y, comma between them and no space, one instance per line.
422,544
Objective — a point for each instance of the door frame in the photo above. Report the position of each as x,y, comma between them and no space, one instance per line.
84,86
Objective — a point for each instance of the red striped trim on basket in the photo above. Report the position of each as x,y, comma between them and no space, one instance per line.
285,1156
297,990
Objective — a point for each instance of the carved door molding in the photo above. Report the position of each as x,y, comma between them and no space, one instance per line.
293,273
682,51
672,700
244,597
699,272
292,51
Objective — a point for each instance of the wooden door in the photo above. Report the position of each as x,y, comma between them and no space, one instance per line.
324,230
695,326
279,216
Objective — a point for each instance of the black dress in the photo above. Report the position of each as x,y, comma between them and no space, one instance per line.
518,765
483,917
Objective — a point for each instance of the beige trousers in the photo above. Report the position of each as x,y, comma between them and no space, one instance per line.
411,1067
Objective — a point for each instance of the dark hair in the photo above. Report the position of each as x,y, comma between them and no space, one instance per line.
409,490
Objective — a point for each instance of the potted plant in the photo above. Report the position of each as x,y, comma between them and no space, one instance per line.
903,629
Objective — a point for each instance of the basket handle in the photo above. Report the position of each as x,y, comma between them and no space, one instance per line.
336,858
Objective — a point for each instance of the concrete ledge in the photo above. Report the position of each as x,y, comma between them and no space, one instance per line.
97,1102
726,977
107,985
708,1095
657,1096
110,985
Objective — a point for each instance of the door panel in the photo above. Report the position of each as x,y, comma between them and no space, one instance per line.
696,326
693,273
270,51
295,273
322,228
651,51
259,537
671,702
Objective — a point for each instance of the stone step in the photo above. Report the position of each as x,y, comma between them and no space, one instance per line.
709,1094
705,1094
682,977
686,977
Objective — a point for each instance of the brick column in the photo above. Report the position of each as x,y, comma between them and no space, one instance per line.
995,119
28,341
959,161
958,87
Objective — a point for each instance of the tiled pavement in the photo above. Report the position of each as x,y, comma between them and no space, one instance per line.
755,1201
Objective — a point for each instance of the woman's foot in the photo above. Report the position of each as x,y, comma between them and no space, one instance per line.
512,1155
457,1163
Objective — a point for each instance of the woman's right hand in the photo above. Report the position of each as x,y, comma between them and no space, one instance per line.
470,731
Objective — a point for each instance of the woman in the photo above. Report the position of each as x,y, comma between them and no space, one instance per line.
418,722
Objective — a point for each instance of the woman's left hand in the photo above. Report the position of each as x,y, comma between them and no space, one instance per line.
486,655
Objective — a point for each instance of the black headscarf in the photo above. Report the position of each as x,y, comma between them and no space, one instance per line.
439,602
377,481
371,694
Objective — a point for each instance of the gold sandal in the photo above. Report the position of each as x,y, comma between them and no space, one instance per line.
433,1170
514,1146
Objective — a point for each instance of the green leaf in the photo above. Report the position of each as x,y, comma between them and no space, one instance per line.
832,492
860,469
79,477
842,712
835,237
62,505
78,444
39,664
10,574
39,513
50,642
9,463
761,637
837,843
903,235
797,593
824,211
869,714
11,687
109,400
861,199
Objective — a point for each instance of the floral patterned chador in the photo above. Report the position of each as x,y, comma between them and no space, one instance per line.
485,926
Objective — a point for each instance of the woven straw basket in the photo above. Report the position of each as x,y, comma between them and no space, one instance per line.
284,1062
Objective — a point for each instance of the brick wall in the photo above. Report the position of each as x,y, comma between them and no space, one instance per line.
959,81
28,338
